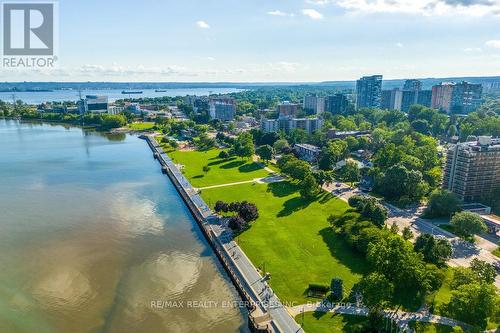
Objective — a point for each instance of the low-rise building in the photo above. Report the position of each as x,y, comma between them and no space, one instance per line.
307,152
95,104
113,109
335,134
288,124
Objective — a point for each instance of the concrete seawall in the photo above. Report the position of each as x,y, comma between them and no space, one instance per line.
259,318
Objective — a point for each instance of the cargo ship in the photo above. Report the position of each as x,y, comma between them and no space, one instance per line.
129,92
160,90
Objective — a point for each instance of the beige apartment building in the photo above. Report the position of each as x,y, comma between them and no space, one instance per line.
472,168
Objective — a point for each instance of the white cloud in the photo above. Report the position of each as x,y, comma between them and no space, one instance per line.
424,7
400,45
494,43
319,2
202,24
473,50
278,12
313,14
117,70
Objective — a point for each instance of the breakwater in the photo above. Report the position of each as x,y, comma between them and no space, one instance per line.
259,318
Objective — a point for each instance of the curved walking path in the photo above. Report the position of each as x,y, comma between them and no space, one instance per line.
263,180
401,317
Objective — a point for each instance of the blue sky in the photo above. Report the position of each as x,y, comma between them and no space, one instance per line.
294,40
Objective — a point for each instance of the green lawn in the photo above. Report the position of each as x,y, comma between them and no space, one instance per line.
497,252
443,295
331,323
293,239
141,126
421,327
221,171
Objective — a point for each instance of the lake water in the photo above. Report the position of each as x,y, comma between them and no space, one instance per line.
113,94
91,233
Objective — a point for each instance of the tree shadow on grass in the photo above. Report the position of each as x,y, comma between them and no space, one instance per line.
220,161
198,176
282,189
324,197
410,300
233,164
319,314
340,250
249,167
293,205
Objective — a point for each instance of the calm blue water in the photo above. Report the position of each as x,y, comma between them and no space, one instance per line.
91,233
113,94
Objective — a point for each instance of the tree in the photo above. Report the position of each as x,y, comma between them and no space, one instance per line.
407,233
297,169
268,139
394,228
421,126
350,172
398,182
434,250
376,289
236,223
224,154
473,303
280,145
355,200
243,146
395,258
110,121
484,271
248,211
468,224
442,203
221,206
309,187
265,152
334,151
322,177
379,215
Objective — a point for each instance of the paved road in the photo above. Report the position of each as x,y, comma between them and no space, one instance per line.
463,251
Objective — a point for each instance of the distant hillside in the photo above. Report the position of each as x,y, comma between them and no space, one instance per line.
387,84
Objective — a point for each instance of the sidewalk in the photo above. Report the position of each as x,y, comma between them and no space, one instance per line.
401,317
463,251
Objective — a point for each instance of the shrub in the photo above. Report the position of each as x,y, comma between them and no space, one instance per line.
319,288
223,154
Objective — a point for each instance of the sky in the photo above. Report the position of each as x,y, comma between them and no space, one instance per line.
271,40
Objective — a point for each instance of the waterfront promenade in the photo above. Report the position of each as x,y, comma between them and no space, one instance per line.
266,312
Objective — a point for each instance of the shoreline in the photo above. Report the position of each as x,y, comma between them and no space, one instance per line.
244,275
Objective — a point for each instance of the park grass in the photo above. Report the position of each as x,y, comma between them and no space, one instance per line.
496,252
141,126
421,327
222,171
441,297
293,239
316,322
